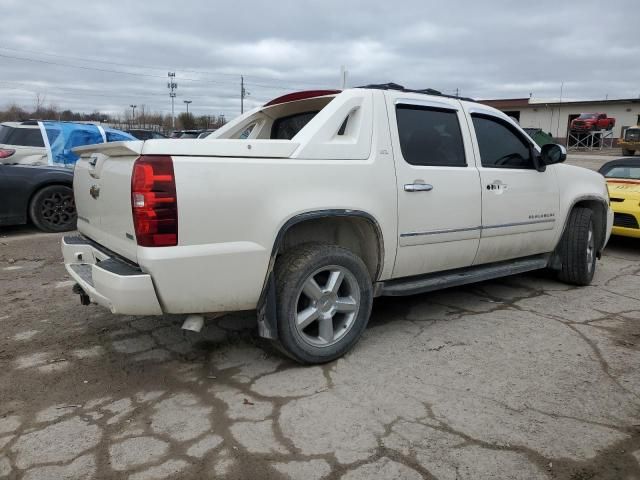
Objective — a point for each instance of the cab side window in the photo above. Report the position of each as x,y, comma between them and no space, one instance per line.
500,145
430,136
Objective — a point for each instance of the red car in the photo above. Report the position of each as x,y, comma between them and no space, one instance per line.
587,122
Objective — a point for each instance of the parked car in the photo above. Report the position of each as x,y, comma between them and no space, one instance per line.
623,181
630,141
539,136
36,142
206,133
22,142
184,134
331,199
144,134
587,122
41,194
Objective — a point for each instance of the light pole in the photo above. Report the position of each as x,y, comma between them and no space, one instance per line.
172,85
187,102
133,113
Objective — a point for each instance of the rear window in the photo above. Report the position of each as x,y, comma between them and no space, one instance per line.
24,137
116,137
285,128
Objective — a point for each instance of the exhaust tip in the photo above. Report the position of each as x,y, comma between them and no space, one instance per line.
193,323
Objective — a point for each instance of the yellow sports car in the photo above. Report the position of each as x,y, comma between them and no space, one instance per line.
623,181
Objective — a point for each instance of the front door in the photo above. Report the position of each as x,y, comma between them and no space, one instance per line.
519,203
438,185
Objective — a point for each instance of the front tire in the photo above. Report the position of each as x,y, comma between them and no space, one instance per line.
324,296
628,153
53,209
578,248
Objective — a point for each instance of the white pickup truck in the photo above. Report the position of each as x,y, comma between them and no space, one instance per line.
308,207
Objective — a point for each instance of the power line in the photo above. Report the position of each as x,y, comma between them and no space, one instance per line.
153,67
82,91
121,72
153,101
149,75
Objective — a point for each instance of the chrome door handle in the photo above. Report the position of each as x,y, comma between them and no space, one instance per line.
418,187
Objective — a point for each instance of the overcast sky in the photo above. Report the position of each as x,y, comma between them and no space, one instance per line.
104,55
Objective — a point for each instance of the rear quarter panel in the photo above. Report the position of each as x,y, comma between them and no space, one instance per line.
231,210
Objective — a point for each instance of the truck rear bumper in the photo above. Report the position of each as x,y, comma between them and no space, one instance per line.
109,281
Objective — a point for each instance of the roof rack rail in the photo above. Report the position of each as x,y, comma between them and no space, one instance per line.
426,91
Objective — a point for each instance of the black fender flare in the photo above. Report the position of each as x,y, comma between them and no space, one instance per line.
556,258
266,308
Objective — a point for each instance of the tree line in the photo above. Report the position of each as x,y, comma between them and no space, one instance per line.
144,117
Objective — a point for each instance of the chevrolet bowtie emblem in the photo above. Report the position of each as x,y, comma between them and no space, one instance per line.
94,191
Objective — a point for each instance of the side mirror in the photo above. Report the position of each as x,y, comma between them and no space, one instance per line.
552,153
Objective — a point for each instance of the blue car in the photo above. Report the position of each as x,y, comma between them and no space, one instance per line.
62,137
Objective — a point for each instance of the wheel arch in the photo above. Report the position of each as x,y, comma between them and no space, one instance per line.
599,208
344,227
37,188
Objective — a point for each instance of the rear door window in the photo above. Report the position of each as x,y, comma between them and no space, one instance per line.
430,136
23,137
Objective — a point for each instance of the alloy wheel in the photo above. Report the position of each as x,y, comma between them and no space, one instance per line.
327,306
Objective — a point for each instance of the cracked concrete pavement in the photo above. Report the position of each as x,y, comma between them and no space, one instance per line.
520,378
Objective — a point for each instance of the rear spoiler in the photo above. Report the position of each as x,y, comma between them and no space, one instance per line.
112,149
254,148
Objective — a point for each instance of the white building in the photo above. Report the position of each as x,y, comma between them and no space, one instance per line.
554,117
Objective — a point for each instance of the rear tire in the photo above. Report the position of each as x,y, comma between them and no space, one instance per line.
628,153
324,296
53,209
578,248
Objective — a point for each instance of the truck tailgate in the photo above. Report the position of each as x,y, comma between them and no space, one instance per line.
102,190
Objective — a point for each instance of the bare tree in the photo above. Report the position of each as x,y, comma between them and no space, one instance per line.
39,103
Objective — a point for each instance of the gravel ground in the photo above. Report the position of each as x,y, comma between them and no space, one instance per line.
522,378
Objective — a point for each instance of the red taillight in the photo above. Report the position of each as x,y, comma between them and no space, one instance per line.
6,152
154,202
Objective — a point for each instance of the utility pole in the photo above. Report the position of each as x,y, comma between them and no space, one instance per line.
133,114
172,86
187,102
457,92
343,77
243,94
559,110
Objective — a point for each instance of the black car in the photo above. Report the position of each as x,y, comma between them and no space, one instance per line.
38,193
144,134
186,133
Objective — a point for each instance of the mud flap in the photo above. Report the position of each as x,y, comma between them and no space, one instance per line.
267,312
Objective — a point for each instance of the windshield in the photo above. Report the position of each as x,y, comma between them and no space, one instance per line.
584,116
622,172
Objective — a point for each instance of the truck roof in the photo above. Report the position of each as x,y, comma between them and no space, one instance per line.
306,94
424,91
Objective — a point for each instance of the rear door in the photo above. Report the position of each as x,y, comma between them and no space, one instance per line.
520,205
438,185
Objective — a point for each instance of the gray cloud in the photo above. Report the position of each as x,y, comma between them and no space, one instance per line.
491,49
